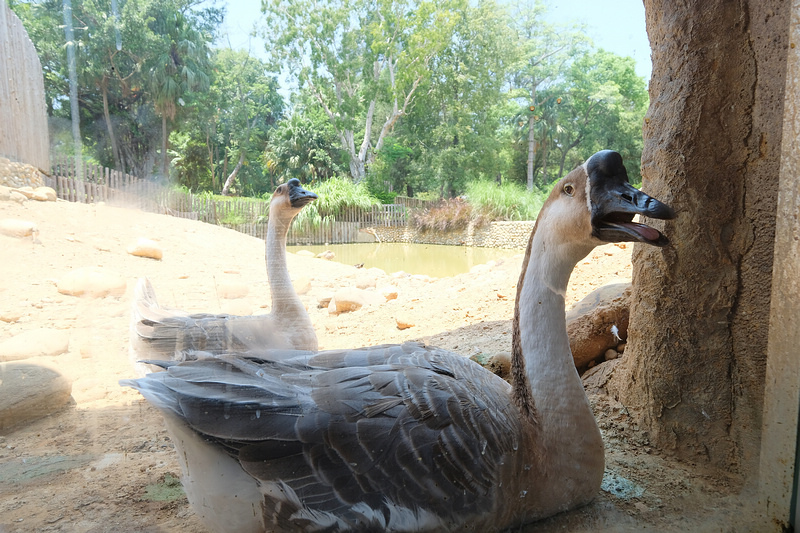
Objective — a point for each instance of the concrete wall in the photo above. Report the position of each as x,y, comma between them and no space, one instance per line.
782,384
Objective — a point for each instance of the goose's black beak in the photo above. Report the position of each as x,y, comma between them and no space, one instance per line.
614,203
298,196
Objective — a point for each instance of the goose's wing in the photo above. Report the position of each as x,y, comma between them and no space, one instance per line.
369,436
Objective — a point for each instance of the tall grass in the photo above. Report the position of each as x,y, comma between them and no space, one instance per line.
508,201
448,215
335,194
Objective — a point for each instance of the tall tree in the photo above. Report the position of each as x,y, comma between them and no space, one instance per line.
545,52
178,67
603,102
356,54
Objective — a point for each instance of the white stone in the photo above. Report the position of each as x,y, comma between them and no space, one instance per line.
404,322
18,197
34,343
146,248
44,194
14,227
232,290
301,286
28,392
94,282
27,192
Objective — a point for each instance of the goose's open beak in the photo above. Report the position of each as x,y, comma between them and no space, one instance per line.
614,203
612,216
298,196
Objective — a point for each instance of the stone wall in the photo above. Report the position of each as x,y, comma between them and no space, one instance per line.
493,235
15,175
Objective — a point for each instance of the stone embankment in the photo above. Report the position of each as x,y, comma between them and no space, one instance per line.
500,234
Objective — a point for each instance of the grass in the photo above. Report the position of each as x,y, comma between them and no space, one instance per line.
449,215
509,201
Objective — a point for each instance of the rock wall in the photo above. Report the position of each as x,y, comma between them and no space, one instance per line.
493,235
700,310
15,175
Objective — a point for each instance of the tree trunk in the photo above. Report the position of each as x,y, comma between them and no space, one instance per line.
229,181
694,378
531,151
107,115
164,134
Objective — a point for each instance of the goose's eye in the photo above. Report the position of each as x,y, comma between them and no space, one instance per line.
569,189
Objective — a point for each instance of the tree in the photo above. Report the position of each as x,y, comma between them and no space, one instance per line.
178,67
303,145
545,54
602,106
453,135
354,55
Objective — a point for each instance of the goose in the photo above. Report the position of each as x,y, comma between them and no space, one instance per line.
160,332
409,437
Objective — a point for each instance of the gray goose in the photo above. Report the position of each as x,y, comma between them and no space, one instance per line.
409,437
161,332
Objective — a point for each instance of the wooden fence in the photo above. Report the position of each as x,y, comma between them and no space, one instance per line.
23,114
246,215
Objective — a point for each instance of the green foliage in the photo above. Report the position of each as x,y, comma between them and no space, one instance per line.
509,201
303,145
335,195
425,98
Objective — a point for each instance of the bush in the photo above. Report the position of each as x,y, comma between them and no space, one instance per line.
449,215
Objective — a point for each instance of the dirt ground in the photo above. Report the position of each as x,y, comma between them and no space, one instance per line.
105,462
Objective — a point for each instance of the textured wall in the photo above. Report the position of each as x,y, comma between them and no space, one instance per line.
493,235
700,311
23,114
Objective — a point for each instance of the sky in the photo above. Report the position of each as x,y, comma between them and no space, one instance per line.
615,25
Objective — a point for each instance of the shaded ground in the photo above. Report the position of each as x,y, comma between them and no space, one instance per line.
105,463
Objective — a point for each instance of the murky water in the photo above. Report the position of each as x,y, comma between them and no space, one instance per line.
435,260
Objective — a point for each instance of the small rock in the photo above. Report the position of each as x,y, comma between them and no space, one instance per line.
348,300
389,293
302,286
500,364
26,191
404,322
10,316
232,290
18,197
28,392
93,282
44,194
146,248
590,322
611,354
34,343
14,227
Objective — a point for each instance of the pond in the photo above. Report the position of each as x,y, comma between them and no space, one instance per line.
435,260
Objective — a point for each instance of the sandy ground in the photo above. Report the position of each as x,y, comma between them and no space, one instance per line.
105,463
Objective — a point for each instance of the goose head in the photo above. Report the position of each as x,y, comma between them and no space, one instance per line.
289,198
601,186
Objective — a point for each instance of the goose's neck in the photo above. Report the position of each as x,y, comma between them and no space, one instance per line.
283,294
546,383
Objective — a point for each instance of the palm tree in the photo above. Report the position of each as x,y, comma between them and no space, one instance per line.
179,67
